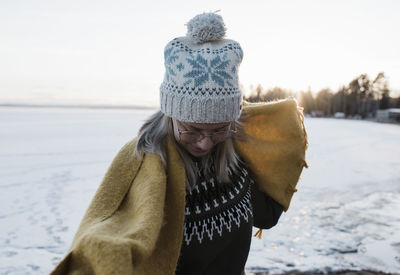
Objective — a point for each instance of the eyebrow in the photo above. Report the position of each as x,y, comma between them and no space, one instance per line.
198,129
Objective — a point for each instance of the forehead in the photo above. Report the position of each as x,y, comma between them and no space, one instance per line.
204,126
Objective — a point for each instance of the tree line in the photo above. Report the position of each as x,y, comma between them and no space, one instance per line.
362,97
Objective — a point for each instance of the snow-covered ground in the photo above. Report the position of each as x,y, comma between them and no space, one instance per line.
344,216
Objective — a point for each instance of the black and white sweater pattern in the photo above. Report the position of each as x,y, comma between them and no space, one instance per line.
212,207
218,223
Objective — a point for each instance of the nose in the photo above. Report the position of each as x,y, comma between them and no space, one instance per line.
205,144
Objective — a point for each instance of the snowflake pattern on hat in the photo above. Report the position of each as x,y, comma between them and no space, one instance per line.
203,70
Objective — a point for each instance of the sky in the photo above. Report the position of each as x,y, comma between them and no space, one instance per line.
111,52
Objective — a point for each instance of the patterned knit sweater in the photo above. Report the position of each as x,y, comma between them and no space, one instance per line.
218,225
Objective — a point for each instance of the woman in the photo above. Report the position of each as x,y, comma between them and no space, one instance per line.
183,196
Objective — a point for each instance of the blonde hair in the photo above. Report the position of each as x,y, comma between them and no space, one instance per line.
153,138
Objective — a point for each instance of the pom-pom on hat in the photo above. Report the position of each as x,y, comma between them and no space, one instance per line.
206,27
201,82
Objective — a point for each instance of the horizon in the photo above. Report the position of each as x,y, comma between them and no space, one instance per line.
78,104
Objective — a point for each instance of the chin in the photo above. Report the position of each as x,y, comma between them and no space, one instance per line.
199,154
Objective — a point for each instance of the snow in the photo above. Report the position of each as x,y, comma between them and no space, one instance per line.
345,214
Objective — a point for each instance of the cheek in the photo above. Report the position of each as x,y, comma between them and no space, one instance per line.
187,147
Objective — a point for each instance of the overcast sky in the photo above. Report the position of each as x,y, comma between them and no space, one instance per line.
111,52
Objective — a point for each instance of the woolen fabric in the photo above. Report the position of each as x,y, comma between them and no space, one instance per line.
134,224
201,81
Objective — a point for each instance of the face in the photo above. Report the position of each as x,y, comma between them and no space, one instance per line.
203,146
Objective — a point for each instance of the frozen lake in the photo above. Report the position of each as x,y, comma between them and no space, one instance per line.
344,216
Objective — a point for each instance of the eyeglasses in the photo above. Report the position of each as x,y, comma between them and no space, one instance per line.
196,136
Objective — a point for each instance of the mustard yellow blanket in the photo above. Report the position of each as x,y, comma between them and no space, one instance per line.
134,224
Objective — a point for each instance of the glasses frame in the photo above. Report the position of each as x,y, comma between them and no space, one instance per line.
201,135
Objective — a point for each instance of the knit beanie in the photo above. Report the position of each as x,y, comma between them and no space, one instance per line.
201,73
